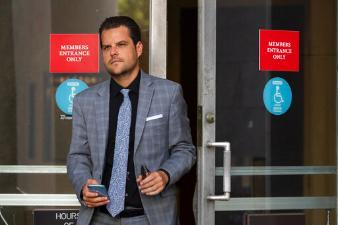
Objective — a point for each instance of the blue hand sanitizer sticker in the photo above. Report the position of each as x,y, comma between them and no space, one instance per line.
66,92
277,96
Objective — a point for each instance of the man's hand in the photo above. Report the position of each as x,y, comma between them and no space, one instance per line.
154,183
91,198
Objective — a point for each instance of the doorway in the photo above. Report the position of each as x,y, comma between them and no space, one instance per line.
182,68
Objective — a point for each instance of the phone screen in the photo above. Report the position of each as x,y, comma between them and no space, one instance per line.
98,188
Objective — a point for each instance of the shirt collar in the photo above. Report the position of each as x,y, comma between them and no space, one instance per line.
115,88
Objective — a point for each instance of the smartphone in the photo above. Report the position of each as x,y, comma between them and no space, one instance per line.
98,188
144,171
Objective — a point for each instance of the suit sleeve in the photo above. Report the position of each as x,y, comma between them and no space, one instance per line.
181,150
79,162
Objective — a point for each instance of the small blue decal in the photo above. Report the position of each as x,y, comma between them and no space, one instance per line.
277,96
66,92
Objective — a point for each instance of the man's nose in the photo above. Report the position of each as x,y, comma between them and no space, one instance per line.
113,50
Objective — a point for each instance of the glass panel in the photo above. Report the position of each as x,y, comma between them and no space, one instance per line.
290,217
18,183
30,126
278,186
305,134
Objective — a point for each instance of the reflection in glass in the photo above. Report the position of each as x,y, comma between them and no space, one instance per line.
304,135
30,126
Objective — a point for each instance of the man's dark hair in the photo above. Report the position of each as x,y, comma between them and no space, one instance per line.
117,21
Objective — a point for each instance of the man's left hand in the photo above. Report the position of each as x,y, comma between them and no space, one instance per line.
154,183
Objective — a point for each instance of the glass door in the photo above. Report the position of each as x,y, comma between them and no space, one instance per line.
267,123
34,133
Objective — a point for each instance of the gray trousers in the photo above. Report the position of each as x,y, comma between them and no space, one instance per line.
103,219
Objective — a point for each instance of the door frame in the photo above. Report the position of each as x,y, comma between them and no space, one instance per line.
206,106
158,38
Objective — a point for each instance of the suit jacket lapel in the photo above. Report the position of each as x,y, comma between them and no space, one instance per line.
102,119
146,92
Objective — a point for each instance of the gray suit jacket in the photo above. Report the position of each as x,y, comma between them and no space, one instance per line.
162,141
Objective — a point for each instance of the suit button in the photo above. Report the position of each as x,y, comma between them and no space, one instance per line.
126,195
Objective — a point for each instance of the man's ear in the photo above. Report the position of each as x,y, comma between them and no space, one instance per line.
139,48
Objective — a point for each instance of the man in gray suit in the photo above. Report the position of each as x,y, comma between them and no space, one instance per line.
157,137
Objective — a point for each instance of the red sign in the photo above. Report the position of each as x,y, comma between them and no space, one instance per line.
74,53
278,50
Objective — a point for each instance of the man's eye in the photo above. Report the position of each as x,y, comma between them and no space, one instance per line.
121,44
105,48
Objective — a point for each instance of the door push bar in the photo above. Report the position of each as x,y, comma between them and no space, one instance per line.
226,168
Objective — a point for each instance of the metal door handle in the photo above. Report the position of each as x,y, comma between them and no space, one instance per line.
226,168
